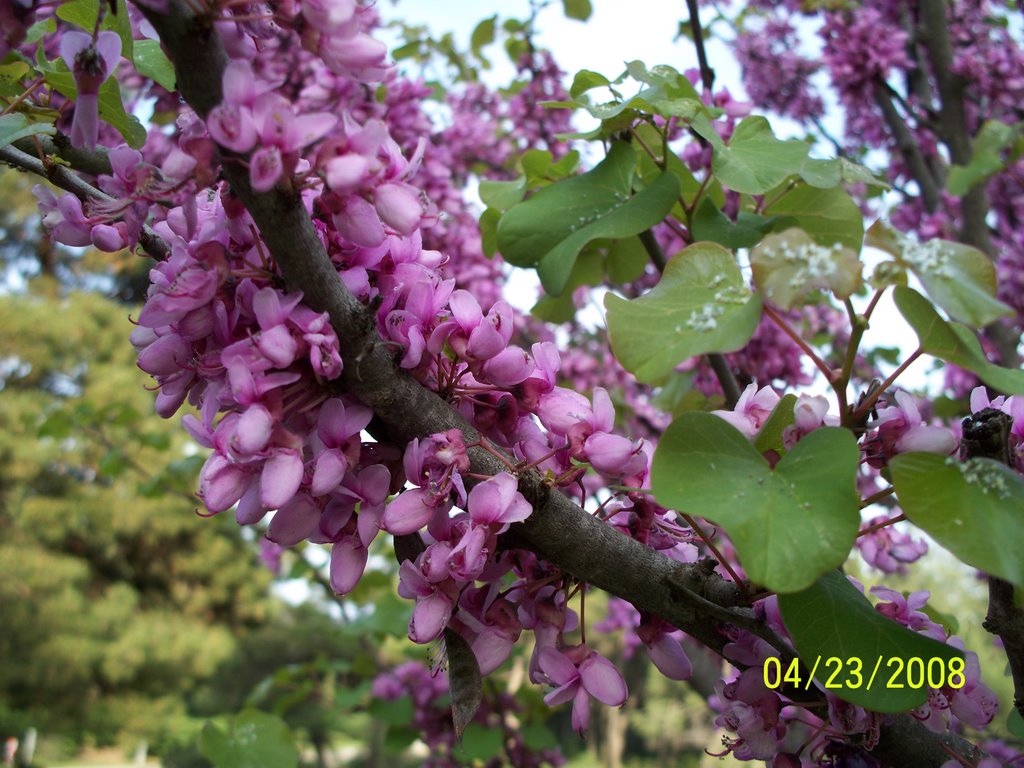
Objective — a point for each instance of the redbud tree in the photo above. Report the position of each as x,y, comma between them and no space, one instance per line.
326,309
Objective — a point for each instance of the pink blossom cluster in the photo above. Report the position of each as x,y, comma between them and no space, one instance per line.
776,75
220,332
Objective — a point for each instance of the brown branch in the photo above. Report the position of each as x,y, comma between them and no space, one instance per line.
707,74
909,149
63,177
987,435
558,530
953,130
94,162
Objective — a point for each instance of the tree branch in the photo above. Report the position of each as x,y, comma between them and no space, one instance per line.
953,129
707,74
909,149
558,530
987,435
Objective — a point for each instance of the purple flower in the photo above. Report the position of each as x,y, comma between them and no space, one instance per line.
593,676
901,430
91,63
752,409
497,502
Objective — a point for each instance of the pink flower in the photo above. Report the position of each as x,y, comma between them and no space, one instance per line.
412,510
497,502
592,676
809,414
888,548
91,63
433,602
615,456
752,409
901,430
294,521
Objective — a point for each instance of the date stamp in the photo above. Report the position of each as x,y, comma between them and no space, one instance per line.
855,673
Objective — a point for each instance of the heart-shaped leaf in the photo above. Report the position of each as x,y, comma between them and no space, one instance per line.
254,739
789,525
987,146
789,265
959,278
709,223
827,215
549,229
833,619
973,509
953,342
754,161
701,304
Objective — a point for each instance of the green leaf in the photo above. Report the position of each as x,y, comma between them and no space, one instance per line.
855,173
11,75
993,137
1015,724
626,260
112,463
668,93
398,711
36,32
959,278
81,13
254,739
701,304
585,80
650,168
410,50
537,736
769,438
502,195
949,622
577,9
953,342
483,35
823,174
57,425
14,126
151,62
973,508
551,227
541,169
828,216
754,161
588,270
833,618
790,525
709,223
482,743
789,265
489,231
111,108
